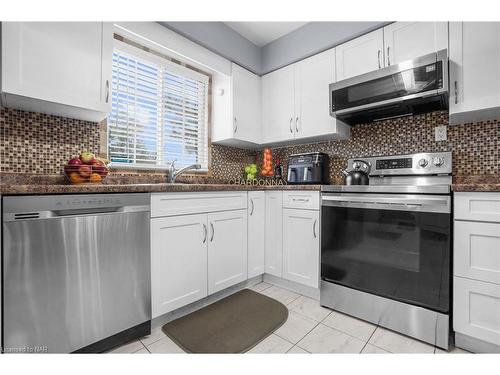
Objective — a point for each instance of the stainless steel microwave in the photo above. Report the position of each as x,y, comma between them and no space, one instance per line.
410,87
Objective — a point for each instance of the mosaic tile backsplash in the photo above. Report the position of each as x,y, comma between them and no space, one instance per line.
475,146
41,144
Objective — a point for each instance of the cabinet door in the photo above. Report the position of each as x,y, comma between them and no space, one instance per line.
178,261
278,111
360,55
408,40
312,78
256,226
274,233
476,309
477,250
474,66
227,249
246,105
301,246
58,62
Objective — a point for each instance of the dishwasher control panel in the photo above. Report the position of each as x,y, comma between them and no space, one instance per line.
88,201
17,208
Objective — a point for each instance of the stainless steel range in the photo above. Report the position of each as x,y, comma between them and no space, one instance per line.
386,246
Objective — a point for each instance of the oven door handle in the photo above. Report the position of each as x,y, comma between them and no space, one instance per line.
439,204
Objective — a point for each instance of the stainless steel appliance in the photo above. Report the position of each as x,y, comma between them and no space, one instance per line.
386,246
310,168
76,272
410,87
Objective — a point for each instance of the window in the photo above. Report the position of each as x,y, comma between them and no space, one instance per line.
159,111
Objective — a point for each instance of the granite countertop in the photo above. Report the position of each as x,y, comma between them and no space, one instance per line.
26,185
484,183
27,189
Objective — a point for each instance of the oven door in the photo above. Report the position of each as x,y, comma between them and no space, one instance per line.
392,245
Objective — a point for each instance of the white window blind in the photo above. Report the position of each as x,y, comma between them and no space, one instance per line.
159,112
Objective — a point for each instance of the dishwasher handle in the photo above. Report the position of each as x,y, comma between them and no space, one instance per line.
86,211
89,211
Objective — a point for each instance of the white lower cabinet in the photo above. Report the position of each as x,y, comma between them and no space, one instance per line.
301,246
196,254
227,249
476,269
256,230
477,309
477,250
178,261
274,233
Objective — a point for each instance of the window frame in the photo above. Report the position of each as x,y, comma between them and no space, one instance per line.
177,69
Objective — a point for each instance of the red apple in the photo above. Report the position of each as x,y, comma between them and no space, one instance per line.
87,157
99,167
75,161
85,170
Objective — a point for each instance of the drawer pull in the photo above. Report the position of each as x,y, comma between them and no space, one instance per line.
300,199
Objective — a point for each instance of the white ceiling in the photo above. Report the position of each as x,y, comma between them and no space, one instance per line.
262,33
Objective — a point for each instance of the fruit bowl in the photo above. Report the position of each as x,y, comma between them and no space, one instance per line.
86,169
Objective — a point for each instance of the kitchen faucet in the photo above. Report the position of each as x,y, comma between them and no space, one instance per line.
172,173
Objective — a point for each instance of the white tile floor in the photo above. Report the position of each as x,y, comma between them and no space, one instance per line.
310,328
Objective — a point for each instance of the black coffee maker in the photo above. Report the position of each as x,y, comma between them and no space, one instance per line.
311,168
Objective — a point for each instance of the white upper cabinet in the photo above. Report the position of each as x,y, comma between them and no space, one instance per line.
244,128
246,105
395,43
408,40
227,249
278,105
360,55
296,99
474,71
312,79
256,230
61,68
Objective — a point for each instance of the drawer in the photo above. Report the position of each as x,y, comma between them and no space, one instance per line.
308,200
477,206
171,204
477,250
476,309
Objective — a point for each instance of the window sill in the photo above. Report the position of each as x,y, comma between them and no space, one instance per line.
138,168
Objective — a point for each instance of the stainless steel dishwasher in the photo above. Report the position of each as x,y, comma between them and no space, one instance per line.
76,272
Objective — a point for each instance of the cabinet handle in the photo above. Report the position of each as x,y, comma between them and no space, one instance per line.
456,92
297,124
388,56
235,125
253,206
213,231
378,58
107,90
300,199
314,229
205,234
291,129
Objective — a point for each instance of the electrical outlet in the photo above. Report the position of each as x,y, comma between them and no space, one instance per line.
440,133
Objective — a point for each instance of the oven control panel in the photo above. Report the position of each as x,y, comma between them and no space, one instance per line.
435,163
394,163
